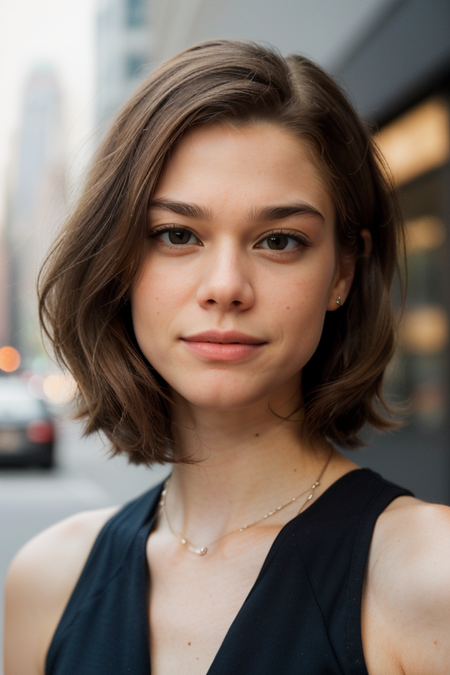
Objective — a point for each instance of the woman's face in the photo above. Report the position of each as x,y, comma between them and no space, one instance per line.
240,267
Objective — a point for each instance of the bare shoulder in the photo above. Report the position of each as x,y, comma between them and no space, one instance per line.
58,554
407,592
412,536
40,580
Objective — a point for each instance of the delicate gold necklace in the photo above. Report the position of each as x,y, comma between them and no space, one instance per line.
203,550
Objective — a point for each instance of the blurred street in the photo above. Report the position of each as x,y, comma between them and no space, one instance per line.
31,500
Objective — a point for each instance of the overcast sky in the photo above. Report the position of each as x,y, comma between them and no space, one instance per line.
53,32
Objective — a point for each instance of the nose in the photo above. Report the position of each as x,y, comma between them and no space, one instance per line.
225,283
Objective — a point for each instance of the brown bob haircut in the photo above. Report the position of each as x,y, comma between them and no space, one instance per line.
85,282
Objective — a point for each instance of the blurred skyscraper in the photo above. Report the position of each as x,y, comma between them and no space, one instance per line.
4,304
36,204
124,42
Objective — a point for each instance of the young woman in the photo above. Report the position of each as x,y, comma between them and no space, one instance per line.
221,295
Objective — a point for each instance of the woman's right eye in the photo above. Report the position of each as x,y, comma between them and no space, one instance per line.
176,236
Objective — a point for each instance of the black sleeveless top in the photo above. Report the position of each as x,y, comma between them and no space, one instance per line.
302,616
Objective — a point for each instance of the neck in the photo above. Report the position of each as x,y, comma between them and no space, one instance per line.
245,465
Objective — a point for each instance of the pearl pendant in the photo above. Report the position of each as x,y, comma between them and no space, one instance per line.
199,551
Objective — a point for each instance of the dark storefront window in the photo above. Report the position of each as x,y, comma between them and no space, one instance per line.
424,335
417,148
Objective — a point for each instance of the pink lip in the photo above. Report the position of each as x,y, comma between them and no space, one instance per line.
225,337
223,346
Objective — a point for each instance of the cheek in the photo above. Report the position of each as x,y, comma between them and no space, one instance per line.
299,295
298,307
157,295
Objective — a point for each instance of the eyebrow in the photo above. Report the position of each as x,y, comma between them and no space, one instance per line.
268,213
280,212
181,208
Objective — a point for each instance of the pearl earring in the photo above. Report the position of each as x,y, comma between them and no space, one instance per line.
338,301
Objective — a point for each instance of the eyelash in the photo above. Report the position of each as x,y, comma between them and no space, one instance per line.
300,239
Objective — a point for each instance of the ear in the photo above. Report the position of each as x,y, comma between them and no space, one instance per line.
367,239
345,273
342,282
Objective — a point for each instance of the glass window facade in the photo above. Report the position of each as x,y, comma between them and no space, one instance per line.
416,146
135,12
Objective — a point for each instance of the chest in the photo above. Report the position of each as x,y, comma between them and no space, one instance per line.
193,601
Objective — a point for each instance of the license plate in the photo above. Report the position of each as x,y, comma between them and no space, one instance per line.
9,441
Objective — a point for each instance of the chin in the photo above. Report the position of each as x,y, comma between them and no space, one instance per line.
222,395
222,402
218,399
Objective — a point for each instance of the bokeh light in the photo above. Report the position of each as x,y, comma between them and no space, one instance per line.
60,389
425,330
425,234
36,385
417,141
9,359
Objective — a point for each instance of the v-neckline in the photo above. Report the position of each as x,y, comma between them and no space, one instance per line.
285,531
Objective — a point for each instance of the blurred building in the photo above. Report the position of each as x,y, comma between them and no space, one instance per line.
133,36
4,304
399,77
323,30
393,56
123,46
36,205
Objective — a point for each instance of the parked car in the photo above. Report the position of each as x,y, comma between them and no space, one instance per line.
27,432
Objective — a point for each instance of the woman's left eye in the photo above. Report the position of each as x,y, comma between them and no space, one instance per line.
278,241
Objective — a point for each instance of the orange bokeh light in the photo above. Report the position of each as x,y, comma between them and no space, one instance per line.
9,359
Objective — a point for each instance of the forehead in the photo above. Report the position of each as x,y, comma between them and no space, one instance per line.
259,165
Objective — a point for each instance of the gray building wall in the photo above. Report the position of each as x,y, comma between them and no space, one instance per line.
324,30
404,56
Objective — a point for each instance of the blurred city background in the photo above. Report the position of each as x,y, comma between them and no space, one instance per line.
65,70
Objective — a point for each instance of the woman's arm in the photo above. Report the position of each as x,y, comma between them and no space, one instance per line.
406,607
40,581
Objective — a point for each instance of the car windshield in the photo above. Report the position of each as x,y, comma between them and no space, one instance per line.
17,405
